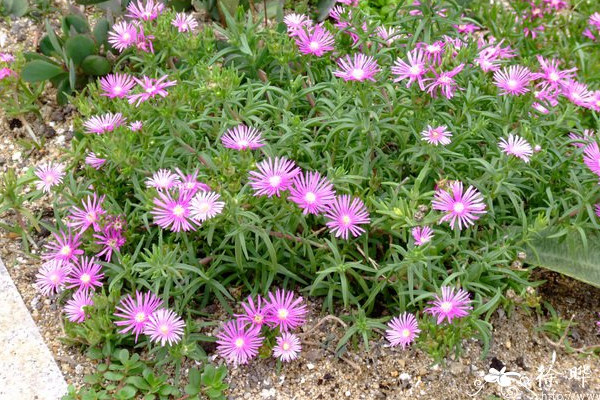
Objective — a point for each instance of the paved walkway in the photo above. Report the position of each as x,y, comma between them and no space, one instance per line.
27,369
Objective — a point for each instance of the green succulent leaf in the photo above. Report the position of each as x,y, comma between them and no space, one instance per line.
101,31
96,65
78,47
75,22
40,70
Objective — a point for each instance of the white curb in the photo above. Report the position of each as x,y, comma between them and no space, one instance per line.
27,369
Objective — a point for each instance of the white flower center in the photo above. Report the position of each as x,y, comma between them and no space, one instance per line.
178,210
53,278
258,318
117,89
275,181
346,220
283,313
310,197
49,179
314,45
86,278
445,80
66,250
554,77
91,217
239,343
512,84
126,36
243,143
458,207
446,306
203,207
285,346
415,70
140,317
405,333
164,329
150,89
358,73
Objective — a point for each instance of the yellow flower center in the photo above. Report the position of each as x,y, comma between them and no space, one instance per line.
140,317
178,210
66,250
346,220
239,343
310,197
86,278
283,313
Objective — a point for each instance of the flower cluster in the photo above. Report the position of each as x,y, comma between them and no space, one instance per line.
5,71
282,312
67,267
404,329
183,202
144,315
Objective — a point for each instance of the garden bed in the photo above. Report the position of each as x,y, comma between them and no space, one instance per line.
540,330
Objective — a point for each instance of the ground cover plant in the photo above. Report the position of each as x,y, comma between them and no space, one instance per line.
402,169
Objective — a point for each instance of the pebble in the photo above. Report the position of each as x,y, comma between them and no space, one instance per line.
310,366
348,393
456,368
268,393
395,373
508,344
404,376
79,369
16,156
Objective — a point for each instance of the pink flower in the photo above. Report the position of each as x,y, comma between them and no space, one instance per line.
583,140
116,85
7,57
112,240
296,23
403,330
205,205
173,213
466,28
254,314
445,82
459,207
94,161
190,182
5,72
75,307
287,348
104,123
135,126
317,41
164,326
312,193
285,311
52,276
422,235
273,176
540,108
577,93
595,20
150,88
451,305
238,343
64,248
88,215
438,135
588,34
513,80
433,51
345,217
551,74
85,275
591,157
358,68
516,146
144,12
163,179
388,35
184,23
50,175
414,70
136,313
352,3
597,210
143,42
242,137
122,36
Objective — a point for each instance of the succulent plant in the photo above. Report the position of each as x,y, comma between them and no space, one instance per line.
14,8
68,61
